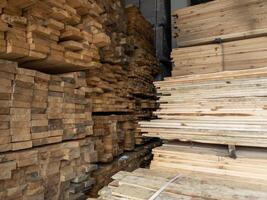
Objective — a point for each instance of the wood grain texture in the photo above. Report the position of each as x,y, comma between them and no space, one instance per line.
224,19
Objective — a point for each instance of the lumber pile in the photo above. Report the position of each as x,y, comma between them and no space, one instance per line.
220,108
220,19
250,163
114,134
143,65
108,86
129,161
39,109
56,128
58,171
115,27
143,183
214,106
55,36
236,55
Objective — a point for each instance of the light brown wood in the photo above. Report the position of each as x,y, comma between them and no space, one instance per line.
228,56
224,19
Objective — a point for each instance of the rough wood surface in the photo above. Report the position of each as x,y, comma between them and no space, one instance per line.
241,54
224,19
39,109
143,183
220,108
129,161
53,36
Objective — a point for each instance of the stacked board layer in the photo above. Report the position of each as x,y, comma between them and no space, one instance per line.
227,56
39,109
54,36
57,171
250,163
219,108
140,157
142,184
220,19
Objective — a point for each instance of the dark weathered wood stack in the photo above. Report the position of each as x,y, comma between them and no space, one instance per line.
51,111
143,65
114,134
109,92
115,26
54,36
58,171
140,157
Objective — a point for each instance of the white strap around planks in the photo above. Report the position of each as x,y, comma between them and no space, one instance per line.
154,196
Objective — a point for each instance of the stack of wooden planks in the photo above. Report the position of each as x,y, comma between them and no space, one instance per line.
129,161
55,128
58,171
143,64
250,162
45,128
114,134
54,36
115,27
142,184
39,109
219,108
220,19
108,85
212,111
235,55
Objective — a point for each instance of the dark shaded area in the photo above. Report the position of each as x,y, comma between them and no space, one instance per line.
195,2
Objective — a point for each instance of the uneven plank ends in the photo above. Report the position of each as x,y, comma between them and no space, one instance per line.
116,28
220,19
39,109
143,67
52,36
114,134
219,108
129,161
236,55
109,92
143,64
141,184
58,171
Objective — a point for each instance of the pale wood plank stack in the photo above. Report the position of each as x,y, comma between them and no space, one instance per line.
250,163
242,54
143,183
221,108
224,19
